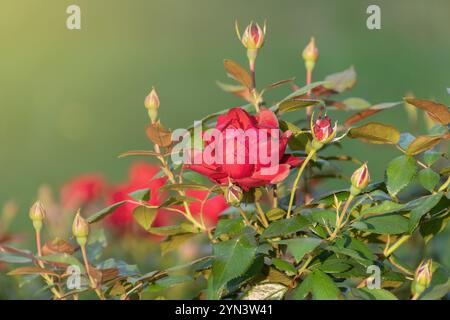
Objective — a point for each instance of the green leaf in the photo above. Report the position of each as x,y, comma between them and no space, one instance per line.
104,212
167,282
283,265
174,241
423,143
390,223
297,103
374,294
231,259
431,227
428,179
285,227
374,132
382,208
275,214
12,258
430,157
300,246
341,81
334,265
399,173
145,216
141,194
229,226
423,208
323,287
356,104
266,291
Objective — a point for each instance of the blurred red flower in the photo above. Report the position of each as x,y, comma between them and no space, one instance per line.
141,176
83,190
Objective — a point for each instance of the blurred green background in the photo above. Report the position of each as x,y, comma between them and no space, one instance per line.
71,101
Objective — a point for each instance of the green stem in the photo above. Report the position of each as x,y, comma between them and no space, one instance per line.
445,185
396,245
341,217
297,180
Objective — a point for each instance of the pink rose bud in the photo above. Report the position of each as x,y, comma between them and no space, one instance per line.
80,229
152,100
361,178
422,277
310,54
322,131
253,36
233,195
152,104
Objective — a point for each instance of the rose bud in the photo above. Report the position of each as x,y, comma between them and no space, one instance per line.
322,132
253,36
80,229
422,277
233,195
310,54
151,102
37,214
252,39
360,179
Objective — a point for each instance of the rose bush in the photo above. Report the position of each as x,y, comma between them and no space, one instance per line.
283,235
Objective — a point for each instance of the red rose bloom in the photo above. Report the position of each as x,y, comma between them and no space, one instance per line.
246,174
83,190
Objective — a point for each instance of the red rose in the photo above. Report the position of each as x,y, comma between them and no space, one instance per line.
246,168
83,190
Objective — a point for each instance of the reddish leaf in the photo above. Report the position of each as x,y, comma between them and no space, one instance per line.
437,111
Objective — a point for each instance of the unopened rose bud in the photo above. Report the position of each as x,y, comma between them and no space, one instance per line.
80,229
37,214
322,131
422,277
152,104
252,39
310,54
360,179
233,195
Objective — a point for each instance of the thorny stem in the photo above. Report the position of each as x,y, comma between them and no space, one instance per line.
262,215
94,285
308,82
253,89
247,222
297,180
46,277
275,196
